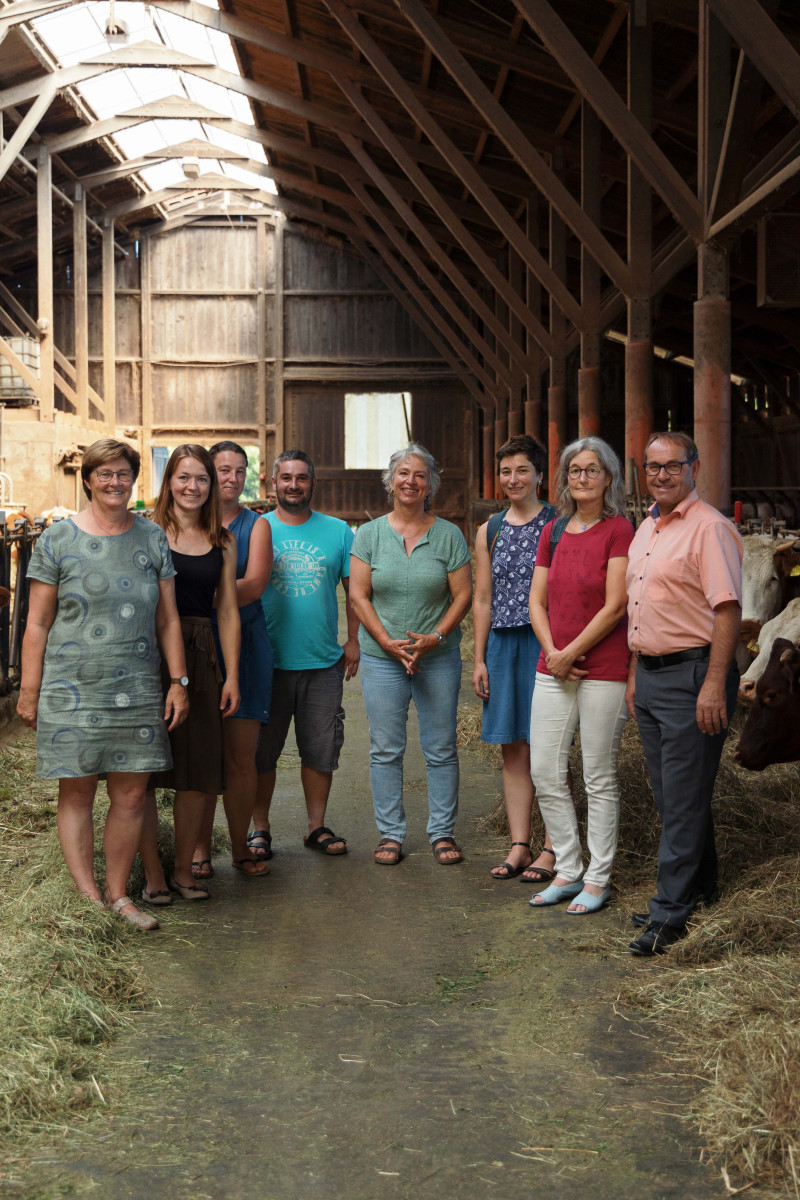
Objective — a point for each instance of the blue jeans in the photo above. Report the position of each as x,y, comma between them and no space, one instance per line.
387,691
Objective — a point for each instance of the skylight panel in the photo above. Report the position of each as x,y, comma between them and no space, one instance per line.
77,34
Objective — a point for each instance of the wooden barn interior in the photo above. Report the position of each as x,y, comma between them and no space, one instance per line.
525,216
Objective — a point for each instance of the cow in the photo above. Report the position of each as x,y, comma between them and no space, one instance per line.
771,732
785,625
768,570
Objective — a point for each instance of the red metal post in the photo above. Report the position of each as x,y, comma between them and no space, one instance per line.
487,455
712,398
589,402
638,403
556,433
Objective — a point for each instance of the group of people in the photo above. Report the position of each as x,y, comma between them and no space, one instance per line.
176,652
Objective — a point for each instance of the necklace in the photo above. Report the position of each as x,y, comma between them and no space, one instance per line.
588,523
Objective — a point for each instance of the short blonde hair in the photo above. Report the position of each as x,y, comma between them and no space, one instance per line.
105,450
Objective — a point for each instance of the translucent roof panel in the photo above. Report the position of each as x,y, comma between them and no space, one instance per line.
77,33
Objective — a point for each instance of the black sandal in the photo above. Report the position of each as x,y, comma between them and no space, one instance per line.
545,874
512,872
264,849
388,846
316,841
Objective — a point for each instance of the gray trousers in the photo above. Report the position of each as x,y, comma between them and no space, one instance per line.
682,763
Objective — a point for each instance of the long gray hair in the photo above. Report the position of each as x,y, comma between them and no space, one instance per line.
413,449
614,496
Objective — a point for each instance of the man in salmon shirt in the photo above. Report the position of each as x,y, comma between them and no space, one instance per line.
684,582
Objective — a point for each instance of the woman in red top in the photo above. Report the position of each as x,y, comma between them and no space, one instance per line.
578,612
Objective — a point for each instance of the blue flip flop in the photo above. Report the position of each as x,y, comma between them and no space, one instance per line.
554,895
592,903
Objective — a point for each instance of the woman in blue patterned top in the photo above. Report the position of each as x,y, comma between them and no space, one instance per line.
507,649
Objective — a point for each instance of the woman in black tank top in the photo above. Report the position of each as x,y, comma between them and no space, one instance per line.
204,555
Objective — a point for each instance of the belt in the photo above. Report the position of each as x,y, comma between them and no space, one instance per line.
651,662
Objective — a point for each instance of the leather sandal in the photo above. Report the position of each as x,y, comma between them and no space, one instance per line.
391,847
197,869
317,840
511,872
544,874
260,842
139,919
188,892
443,845
239,865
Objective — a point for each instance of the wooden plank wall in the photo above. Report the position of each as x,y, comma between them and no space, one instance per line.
242,329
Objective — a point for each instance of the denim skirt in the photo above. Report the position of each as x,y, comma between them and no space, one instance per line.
511,658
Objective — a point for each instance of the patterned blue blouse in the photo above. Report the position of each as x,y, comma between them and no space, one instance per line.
512,569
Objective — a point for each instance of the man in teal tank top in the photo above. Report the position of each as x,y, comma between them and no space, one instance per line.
311,556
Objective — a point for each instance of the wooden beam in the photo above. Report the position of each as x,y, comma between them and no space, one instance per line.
279,339
81,303
44,269
439,256
471,384
767,198
26,127
146,335
632,136
413,260
33,381
81,135
261,337
460,166
28,10
526,155
618,19
765,45
109,326
433,316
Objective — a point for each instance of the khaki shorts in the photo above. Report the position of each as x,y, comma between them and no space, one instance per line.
314,699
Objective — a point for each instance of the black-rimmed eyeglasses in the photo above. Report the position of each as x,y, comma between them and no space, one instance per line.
672,468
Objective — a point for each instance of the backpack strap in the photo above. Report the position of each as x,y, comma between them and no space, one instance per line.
493,529
555,534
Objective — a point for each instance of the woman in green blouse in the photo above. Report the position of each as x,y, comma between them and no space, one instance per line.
410,586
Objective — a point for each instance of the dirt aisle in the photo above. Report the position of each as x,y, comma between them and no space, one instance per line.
349,1031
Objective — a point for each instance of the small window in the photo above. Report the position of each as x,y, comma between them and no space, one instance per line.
375,425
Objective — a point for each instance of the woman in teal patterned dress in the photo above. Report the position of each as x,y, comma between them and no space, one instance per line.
102,599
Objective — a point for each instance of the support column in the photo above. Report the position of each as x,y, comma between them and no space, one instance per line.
557,392
147,368
487,454
81,303
109,326
639,348
44,267
534,417
261,342
501,404
279,342
516,415
712,377
589,371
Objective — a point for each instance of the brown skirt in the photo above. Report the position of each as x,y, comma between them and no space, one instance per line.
197,757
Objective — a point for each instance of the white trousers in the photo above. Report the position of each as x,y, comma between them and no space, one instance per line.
557,709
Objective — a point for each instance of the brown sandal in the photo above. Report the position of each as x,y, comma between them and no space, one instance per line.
388,846
444,845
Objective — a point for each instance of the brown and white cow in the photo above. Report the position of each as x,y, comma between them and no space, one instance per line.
785,625
771,732
768,572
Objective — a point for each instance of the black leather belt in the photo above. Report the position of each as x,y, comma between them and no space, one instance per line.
651,662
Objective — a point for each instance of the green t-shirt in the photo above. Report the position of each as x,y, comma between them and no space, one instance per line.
410,591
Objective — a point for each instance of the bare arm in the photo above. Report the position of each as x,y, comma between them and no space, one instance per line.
482,613
560,662
352,650
459,584
42,607
712,710
259,564
230,629
170,640
630,689
361,600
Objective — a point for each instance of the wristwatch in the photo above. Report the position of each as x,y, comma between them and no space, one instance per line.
183,681
441,637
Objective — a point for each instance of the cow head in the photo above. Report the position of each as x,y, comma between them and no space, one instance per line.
787,570
771,732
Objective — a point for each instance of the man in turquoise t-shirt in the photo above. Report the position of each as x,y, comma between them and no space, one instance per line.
311,554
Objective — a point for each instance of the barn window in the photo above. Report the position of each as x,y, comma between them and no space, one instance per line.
375,425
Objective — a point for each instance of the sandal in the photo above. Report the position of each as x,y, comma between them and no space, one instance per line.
157,899
442,846
260,842
511,872
139,919
543,874
316,841
238,864
391,847
197,869
189,891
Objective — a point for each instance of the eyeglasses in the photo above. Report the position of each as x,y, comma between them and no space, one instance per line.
672,468
590,472
120,476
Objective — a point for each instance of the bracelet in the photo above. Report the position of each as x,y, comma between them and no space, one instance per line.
440,637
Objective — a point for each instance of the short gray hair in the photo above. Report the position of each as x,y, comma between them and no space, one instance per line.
614,497
414,450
